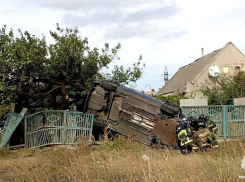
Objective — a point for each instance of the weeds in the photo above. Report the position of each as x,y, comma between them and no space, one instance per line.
121,160
4,152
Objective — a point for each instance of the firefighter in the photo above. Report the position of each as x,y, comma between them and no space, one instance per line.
206,133
196,134
184,133
211,126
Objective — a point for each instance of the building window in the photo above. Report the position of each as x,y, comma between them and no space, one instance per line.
237,68
226,69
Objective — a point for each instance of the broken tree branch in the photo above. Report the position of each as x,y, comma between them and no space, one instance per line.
53,89
76,86
48,81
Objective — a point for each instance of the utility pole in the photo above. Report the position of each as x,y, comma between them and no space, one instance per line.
166,75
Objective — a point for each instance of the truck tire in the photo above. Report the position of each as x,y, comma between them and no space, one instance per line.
170,109
109,85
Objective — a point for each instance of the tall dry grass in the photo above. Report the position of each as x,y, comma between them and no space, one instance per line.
121,160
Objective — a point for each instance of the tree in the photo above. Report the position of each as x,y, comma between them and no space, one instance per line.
131,74
223,89
40,75
3,110
173,99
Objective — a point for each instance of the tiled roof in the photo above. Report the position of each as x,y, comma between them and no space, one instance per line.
187,74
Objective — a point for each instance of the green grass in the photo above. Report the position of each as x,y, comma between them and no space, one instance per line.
121,160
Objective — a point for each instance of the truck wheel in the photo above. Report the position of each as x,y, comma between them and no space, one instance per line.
109,86
169,108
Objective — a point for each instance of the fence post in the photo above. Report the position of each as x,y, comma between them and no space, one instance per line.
64,131
224,107
25,131
92,124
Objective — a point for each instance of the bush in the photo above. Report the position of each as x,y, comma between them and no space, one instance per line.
173,99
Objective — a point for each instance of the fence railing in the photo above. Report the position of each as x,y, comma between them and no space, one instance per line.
10,125
57,127
50,128
230,119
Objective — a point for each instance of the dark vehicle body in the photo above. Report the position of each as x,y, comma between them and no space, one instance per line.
133,114
1,124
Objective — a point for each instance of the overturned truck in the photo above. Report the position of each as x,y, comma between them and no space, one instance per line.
146,119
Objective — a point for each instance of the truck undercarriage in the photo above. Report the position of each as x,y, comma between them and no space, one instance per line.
146,119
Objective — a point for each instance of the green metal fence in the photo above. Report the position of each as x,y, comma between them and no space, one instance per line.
10,125
57,127
230,119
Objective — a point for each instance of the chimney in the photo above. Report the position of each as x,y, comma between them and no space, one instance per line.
202,52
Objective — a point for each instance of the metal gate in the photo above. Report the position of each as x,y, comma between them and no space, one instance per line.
57,127
230,119
10,125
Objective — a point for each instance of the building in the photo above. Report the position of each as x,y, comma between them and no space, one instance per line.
150,93
189,79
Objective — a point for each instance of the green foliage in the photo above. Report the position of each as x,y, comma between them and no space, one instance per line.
20,58
3,110
57,75
173,99
223,89
122,75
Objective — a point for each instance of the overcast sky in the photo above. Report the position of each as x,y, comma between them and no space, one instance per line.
166,32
